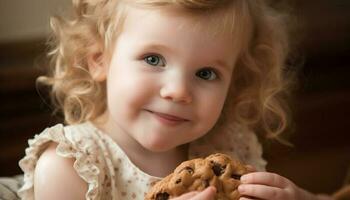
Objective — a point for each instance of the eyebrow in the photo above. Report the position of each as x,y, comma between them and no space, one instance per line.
156,46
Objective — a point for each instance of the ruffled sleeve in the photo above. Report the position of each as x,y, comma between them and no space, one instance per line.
87,163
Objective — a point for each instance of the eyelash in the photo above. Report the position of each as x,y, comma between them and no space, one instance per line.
160,58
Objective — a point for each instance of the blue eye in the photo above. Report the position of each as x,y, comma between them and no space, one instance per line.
207,74
154,60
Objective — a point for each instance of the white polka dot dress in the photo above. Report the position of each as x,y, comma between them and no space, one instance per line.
104,166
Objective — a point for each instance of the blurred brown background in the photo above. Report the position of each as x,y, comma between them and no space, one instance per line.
321,155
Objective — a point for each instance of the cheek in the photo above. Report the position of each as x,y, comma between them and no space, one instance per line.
128,89
210,109
214,109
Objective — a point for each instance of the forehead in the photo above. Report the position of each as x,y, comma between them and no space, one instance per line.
213,22
205,30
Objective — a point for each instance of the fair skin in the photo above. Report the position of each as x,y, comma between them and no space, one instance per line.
166,86
66,185
266,186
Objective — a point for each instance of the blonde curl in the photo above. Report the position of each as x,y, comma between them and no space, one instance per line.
260,85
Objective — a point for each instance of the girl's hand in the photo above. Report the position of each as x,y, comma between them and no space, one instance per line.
270,186
207,194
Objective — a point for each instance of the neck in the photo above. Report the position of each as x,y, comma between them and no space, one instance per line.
157,164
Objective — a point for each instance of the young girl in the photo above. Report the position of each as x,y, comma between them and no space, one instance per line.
146,84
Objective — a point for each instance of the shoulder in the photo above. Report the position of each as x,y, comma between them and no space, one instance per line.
56,178
85,133
60,161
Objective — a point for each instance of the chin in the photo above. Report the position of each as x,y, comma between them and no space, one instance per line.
157,146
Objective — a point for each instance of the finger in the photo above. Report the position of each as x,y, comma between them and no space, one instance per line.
207,194
265,178
262,191
246,198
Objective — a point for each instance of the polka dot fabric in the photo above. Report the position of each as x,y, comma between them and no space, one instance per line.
102,163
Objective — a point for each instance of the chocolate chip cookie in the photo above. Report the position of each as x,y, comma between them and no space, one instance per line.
217,170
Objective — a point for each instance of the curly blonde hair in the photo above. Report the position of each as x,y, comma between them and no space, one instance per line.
257,95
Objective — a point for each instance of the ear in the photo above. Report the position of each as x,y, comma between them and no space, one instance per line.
97,66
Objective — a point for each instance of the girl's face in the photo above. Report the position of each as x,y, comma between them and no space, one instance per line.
167,80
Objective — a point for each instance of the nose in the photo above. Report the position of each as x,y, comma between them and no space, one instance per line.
176,90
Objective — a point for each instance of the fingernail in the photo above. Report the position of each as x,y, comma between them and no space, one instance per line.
243,179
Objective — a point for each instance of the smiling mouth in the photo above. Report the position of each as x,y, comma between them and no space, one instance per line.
168,118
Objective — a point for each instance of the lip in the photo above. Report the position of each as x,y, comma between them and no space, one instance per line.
167,119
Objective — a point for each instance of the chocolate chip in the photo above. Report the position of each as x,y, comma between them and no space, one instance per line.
189,169
218,169
178,181
236,176
162,196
